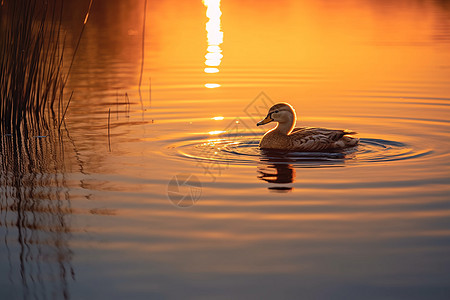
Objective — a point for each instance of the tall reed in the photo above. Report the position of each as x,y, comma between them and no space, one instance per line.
32,75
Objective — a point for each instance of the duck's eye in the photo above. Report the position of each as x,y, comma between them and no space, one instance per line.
276,111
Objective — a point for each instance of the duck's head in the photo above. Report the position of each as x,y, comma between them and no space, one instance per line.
283,113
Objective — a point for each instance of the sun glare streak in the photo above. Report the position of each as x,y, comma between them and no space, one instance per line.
218,118
214,38
216,132
211,70
212,85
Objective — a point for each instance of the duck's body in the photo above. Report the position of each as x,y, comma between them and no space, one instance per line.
306,139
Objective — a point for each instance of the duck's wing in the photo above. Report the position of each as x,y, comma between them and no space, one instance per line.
316,139
334,134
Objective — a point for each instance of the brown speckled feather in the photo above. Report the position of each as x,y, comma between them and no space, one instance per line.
316,139
309,139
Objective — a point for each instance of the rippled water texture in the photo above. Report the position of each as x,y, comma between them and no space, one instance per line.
179,202
245,150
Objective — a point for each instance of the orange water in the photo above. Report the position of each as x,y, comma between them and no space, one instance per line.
369,224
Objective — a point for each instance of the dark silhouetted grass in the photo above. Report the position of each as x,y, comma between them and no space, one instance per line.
32,74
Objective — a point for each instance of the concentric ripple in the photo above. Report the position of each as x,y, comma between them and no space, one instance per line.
244,150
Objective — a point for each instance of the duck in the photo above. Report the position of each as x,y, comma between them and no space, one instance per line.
304,139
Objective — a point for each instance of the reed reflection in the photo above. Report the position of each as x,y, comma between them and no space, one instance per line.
35,215
214,38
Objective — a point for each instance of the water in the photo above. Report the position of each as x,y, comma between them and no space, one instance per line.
104,218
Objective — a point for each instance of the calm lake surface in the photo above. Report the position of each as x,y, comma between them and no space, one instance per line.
179,202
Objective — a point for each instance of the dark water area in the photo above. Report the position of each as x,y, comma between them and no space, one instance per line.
155,187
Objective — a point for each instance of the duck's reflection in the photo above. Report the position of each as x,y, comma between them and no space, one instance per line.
278,174
278,167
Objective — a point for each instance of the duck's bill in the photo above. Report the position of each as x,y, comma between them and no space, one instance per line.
268,119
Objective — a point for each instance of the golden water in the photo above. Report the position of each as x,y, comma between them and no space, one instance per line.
370,223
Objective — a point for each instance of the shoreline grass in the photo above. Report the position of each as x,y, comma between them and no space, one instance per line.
32,72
